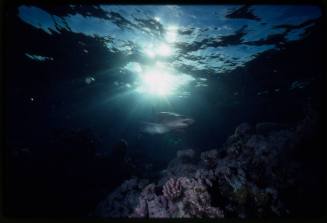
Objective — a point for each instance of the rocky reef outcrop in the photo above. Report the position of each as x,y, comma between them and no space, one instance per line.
252,175
121,201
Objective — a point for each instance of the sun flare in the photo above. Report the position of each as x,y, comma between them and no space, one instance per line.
157,81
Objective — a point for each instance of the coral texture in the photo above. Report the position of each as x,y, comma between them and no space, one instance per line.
245,178
172,189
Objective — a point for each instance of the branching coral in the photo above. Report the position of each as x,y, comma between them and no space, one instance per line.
151,205
172,189
206,176
197,200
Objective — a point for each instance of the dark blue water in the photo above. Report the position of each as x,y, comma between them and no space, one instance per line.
66,69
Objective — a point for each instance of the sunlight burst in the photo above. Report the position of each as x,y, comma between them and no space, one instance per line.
164,50
171,34
160,81
161,49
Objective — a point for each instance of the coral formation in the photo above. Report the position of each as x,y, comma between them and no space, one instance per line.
172,189
248,177
187,154
209,158
120,202
183,198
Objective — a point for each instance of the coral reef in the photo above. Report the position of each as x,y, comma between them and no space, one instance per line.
172,189
205,176
187,154
196,201
182,198
248,177
209,158
120,202
242,129
150,204
184,165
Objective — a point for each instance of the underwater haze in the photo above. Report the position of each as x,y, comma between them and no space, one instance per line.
164,111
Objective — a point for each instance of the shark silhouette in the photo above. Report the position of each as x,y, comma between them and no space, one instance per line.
166,122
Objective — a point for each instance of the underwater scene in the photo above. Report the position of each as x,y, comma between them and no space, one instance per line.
164,111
